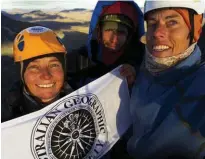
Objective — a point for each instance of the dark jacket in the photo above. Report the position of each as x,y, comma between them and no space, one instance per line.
168,111
19,103
90,70
132,54
201,43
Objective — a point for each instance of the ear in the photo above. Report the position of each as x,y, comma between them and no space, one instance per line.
143,39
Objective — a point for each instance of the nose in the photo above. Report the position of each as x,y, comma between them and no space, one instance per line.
114,38
160,31
45,74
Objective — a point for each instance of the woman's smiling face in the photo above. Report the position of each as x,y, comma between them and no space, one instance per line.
167,33
44,78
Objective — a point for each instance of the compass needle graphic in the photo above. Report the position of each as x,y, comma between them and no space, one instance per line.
86,136
85,142
86,130
74,134
64,134
72,149
60,127
79,143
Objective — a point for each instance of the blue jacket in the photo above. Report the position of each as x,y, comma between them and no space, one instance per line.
95,20
168,111
94,47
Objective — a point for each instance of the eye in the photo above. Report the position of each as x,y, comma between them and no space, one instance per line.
33,67
172,23
54,65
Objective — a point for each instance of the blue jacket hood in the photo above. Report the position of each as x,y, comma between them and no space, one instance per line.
94,21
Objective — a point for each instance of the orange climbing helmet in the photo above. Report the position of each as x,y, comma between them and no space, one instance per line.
36,41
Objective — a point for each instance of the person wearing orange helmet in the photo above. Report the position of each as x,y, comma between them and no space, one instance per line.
41,57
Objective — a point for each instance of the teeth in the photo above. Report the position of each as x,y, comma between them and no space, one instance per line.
46,85
160,47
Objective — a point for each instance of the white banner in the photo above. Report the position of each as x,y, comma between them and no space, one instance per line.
83,124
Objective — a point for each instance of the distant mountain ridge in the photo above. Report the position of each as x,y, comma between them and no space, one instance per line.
10,28
14,23
35,11
39,15
18,11
74,10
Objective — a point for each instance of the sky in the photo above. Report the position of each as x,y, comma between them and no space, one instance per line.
52,4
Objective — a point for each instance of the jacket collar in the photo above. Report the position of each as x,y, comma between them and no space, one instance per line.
175,73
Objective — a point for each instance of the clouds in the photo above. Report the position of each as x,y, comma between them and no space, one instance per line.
31,4
48,4
51,4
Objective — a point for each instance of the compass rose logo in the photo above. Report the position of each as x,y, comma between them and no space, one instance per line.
76,133
73,135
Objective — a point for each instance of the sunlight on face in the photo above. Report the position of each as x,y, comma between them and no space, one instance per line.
44,78
167,33
114,39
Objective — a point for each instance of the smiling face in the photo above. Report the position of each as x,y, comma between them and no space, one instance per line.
167,33
114,37
44,78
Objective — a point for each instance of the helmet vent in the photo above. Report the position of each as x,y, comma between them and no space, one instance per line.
21,38
21,46
18,36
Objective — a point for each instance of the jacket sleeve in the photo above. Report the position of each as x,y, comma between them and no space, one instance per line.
10,106
6,113
193,102
191,109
